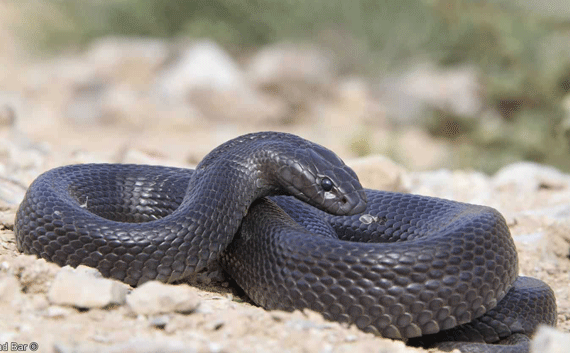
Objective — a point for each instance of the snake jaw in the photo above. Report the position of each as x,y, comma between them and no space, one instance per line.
343,196
347,197
345,201
356,205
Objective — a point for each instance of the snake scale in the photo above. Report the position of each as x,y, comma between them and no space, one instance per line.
291,224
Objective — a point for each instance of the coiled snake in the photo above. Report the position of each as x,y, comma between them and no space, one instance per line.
401,266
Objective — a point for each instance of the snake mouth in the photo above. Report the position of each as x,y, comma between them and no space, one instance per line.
349,204
335,202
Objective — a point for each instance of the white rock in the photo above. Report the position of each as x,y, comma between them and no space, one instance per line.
118,70
240,106
417,150
35,275
65,71
280,63
158,298
11,191
523,177
472,187
58,312
378,172
356,106
455,90
130,60
208,78
84,288
558,212
205,65
86,106
159,321
301,77
10,290
121,103
83,271
550,340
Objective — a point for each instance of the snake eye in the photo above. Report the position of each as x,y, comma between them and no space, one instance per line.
326,184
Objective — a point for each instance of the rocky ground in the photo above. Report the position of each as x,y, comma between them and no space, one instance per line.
67,311
148,101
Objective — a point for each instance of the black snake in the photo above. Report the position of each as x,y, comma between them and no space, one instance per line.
403,266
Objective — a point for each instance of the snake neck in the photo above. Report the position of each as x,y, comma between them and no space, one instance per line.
230,178
250,163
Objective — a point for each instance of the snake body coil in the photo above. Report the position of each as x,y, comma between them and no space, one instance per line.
398,265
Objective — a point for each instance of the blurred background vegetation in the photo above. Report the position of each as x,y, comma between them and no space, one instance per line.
522,49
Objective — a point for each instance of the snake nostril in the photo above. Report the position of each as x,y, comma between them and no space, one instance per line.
344,200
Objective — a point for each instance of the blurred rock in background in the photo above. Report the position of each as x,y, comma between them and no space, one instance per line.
450,84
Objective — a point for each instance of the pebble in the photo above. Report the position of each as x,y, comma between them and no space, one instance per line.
35,275
10,290
160,321
158,298
84,288
39,302
57,312
550,340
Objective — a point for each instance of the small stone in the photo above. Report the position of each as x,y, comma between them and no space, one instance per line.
39,302
10,291
524,177
216,325
158,298
279,316
550,340
84,288
7,115
85,271
36,275
215,347
350,338
160,321
57,312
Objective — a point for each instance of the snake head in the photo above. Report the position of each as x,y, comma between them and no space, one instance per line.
319,177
